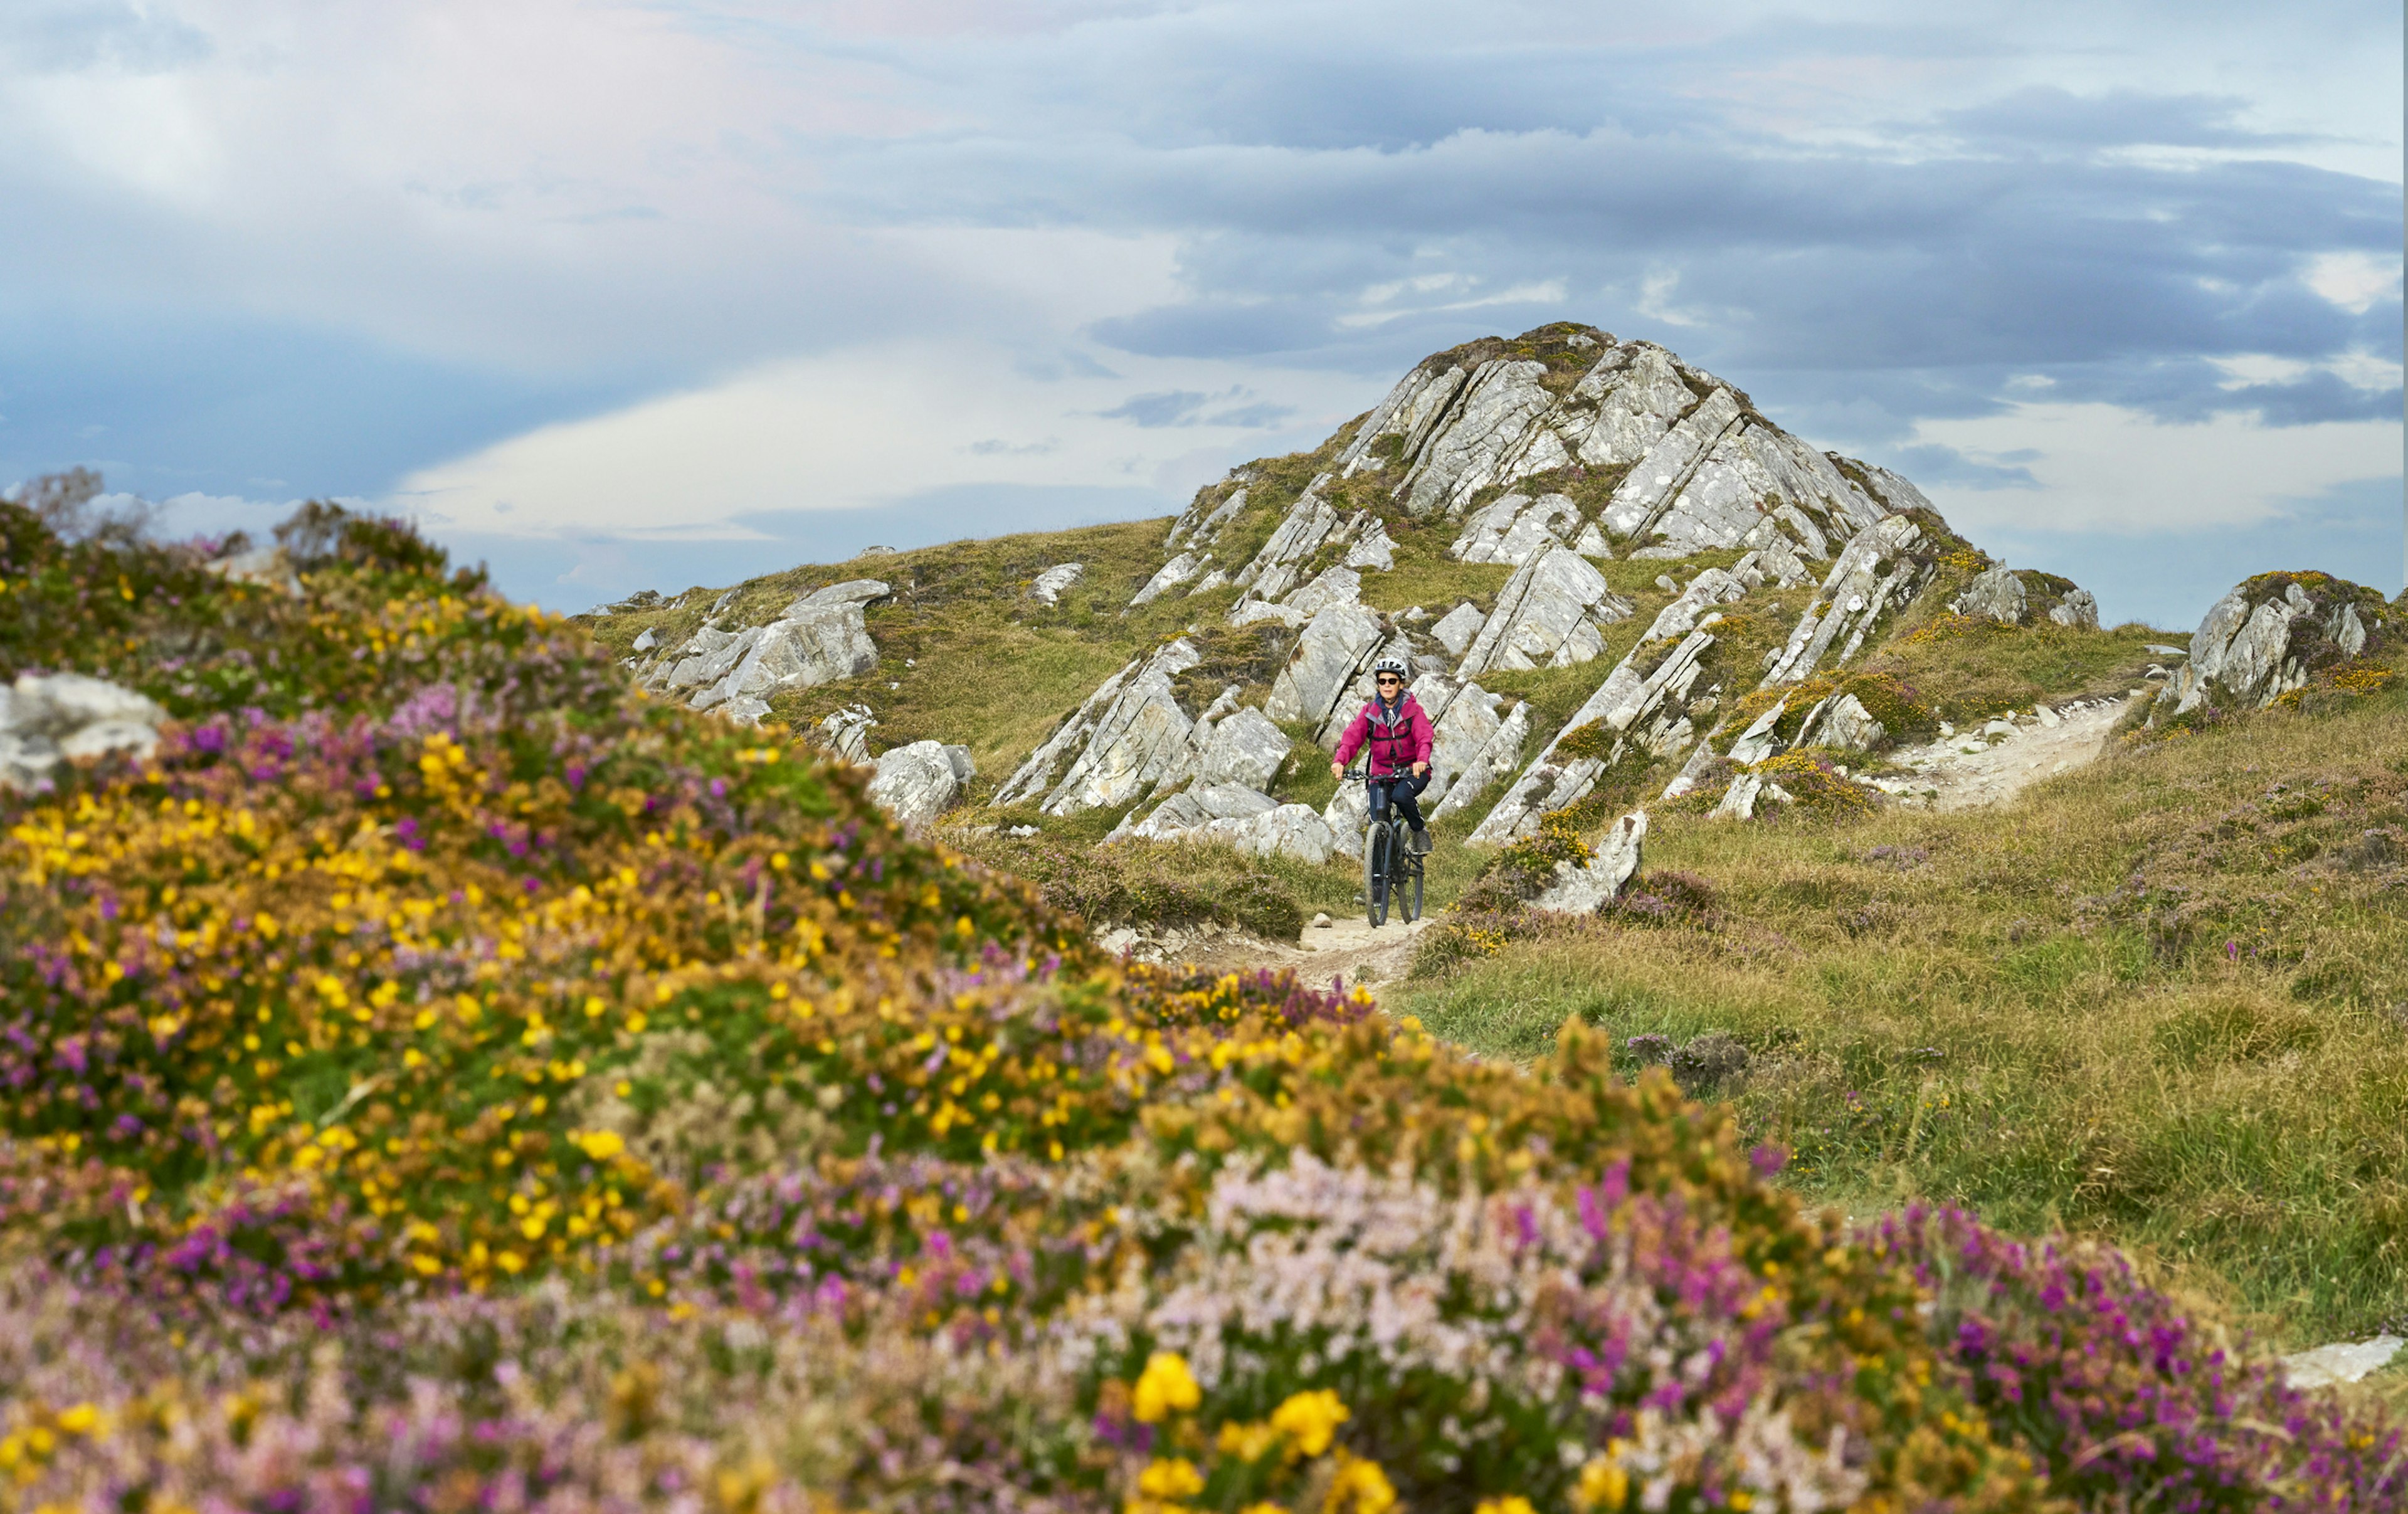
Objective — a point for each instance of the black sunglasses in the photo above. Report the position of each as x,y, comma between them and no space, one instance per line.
1388,678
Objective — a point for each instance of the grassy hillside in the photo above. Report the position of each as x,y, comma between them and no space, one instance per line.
2163,999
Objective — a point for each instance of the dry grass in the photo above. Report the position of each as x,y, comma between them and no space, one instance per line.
2165,1000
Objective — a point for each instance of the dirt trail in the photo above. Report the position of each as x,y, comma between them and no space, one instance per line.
1346,947
1994,762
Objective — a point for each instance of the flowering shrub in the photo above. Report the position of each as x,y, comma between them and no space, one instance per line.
437,1078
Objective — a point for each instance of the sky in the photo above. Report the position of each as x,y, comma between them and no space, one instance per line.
616,294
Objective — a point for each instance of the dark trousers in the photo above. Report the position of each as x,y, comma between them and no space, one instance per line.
1401,790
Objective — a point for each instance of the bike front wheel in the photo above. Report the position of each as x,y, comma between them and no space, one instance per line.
1376,845
1409,891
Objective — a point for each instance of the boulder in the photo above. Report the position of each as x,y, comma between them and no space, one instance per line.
1758,741
1549,614
2272,634
1843,723
1217,578
1503,399
2078,611
1458,626
1374,549
1709,589
1591,542
69,717
1051,584
1997,594
1239,816
1587,888
918,782
1254,611
647,641
1739,800
846,733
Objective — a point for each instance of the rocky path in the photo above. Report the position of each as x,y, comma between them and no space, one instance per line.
2001,759
1346,947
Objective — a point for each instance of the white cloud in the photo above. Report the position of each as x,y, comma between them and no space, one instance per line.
2354,280
2102,467
861,427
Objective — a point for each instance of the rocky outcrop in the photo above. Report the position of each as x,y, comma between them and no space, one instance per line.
2015,598
1055,581
1240,817
1843,723
1216,506
918,782
820,639
1132,739
1588,888
1552,613
1516,528
1715,587
2272,634
1311,525
1878,573
1336,647
1641,701
1128,736
65,717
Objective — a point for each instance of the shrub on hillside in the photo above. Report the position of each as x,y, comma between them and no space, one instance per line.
466,1083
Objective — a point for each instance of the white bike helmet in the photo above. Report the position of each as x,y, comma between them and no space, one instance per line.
1391,664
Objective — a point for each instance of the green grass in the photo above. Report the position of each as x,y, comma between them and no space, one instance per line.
2153,1000
1974,671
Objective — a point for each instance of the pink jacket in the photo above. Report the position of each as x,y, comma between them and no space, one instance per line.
1398,737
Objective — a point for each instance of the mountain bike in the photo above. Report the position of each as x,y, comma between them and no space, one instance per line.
1392,869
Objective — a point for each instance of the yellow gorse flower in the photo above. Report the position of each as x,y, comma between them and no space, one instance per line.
1165,1387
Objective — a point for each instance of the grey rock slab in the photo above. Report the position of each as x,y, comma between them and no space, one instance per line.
1614,860
1626,700
647,641
1374,549
1740,799
1497,758
1254,611
1335,646
1169,575
69,716
1309,523
1410,411
2343,1361
1138,736
1243,747
1217,578
918,782
1757,741
1654,480
1846,725
2257,645
1591,542
1055,581
1549,614
846,733
1516,528
1456,628
1334,586
1624,404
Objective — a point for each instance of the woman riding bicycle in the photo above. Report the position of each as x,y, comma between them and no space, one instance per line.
1397,734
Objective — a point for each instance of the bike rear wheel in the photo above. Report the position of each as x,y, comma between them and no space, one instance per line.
1408,889
1376,867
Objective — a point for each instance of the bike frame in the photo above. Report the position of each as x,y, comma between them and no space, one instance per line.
1389,862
